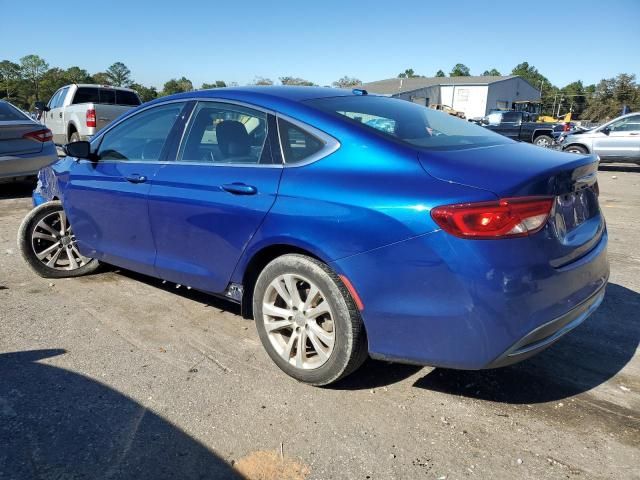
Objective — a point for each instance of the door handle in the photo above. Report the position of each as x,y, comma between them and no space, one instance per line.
634,133
135,178
240,189
60,115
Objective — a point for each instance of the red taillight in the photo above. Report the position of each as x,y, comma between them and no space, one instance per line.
566,127
506,218
91,118
41,136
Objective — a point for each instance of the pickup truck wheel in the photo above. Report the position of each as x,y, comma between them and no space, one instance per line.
74,137
543,141
48,245
576,149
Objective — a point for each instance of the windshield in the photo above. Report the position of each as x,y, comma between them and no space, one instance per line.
409,122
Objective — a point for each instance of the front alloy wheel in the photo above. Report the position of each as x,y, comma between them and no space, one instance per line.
48,245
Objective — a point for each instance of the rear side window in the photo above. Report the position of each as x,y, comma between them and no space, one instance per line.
9,113
511,117
298,145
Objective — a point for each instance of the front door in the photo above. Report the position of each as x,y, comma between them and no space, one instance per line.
622,142
207,205
106,200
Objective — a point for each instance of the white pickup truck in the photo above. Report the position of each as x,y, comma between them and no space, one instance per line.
76,112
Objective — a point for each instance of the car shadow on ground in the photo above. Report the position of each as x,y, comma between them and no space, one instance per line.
587,357
17,189
55,423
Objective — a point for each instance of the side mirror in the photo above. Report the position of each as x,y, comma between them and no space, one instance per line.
42,107
79,150
606,130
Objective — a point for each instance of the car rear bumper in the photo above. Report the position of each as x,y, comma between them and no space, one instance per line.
441,301
17,166
547,334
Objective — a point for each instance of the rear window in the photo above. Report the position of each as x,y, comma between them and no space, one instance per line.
408,122
107,96
9,113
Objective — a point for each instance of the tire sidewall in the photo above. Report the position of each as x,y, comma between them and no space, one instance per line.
339,359
26,250
548,141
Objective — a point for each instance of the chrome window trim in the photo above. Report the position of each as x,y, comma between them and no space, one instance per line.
330,144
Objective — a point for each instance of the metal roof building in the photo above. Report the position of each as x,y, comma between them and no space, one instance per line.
474,96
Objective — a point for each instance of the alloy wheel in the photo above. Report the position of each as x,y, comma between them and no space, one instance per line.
54,243
299,321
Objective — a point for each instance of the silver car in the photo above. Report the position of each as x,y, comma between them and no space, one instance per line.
615,141
26,146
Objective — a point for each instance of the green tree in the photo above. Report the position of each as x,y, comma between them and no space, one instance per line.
33,68
460,70
346,82
52,80
216,84
77,75
440,73
119,75
610,95
262,81
180,85
100,78
9,77
299,82
408,73
492,73
530,74
146,94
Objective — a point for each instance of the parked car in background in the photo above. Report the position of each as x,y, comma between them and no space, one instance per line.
76,112
26,146
340,238
615,141
520,126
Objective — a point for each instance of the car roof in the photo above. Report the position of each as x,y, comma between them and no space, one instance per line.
287,92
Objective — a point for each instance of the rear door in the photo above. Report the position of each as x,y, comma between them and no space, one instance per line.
206,205
622,142
106,200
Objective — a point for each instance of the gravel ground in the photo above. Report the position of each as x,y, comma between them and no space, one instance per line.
116,375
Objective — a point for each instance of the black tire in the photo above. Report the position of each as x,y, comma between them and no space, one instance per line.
26,245
576,149
544,141
350,344
74,137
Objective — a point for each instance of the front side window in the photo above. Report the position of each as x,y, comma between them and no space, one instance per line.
629,124
225,133
140,137
298,145
412,124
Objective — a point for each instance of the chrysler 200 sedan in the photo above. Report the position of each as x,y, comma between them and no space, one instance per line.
430,240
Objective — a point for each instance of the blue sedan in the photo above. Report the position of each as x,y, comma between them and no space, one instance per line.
347,225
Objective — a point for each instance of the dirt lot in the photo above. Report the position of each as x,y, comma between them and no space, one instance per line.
119,376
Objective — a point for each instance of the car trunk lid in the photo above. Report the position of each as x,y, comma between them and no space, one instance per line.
12,140
575,224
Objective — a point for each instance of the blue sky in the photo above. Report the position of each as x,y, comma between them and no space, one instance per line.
324,40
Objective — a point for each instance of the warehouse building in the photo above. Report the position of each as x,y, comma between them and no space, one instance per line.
474,96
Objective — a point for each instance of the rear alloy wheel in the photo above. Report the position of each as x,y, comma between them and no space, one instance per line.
307,320
576,149
543,141
74,137
48,245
